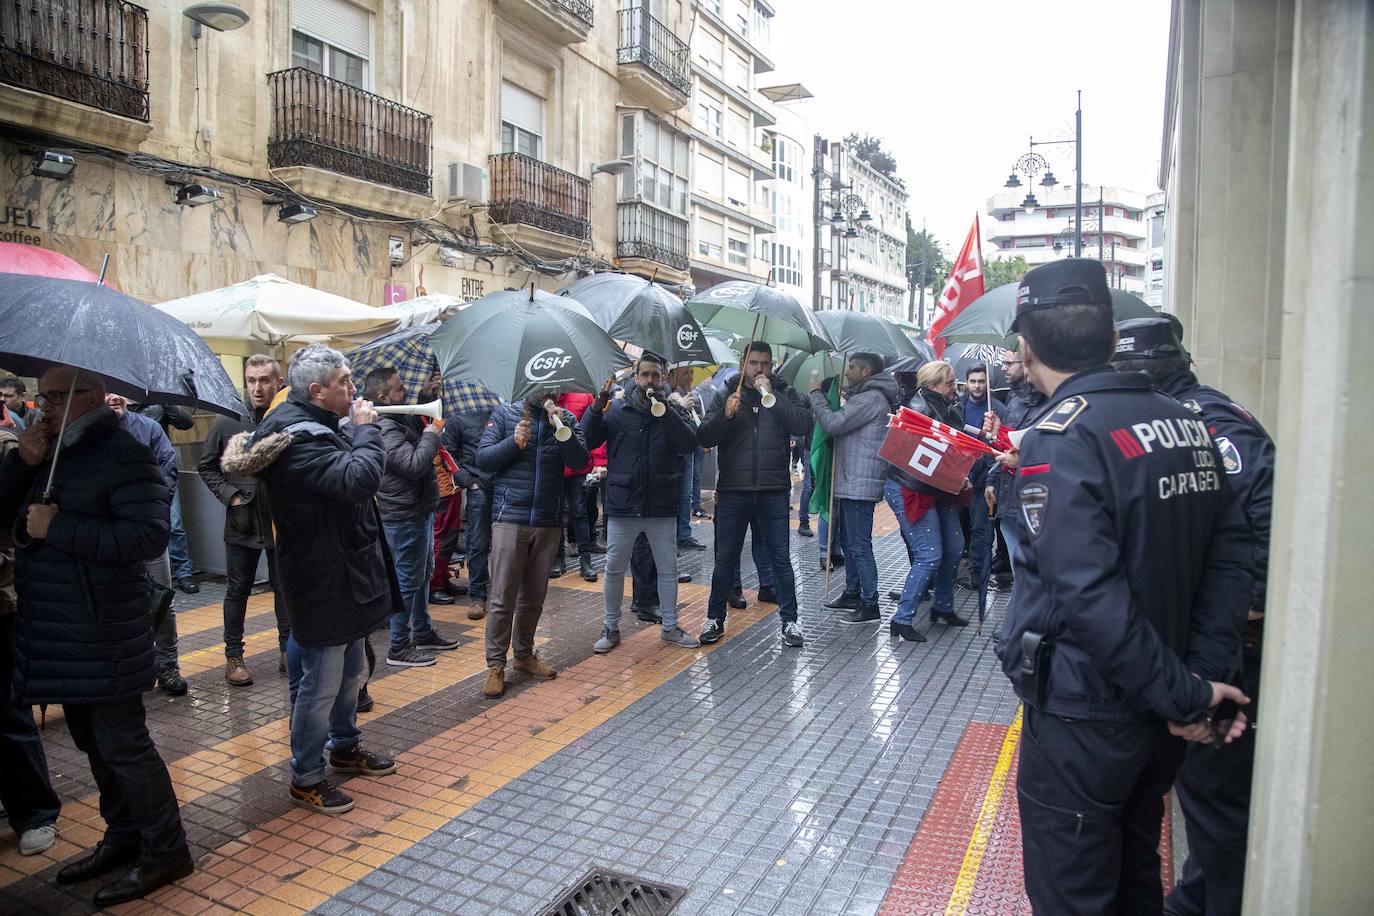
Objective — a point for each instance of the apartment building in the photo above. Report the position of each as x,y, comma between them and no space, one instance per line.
372,148
732,160
862,228
1113,231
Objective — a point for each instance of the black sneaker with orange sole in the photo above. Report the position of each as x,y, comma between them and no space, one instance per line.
357,759
324,797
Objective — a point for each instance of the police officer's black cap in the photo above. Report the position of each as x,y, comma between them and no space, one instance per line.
1155,337
1071,281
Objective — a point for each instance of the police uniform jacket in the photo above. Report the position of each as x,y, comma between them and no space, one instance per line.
1119,488
1247,457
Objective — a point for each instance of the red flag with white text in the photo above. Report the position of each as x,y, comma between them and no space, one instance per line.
964,285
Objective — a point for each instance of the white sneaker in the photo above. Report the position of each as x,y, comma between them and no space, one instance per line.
678,638
608,641
39,839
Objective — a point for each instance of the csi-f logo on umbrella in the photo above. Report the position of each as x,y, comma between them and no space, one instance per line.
687,336
545,363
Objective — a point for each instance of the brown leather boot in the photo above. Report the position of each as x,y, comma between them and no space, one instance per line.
477,610
534,666
236,672
495,684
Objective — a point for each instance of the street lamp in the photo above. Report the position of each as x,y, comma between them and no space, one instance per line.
848,211
1032,164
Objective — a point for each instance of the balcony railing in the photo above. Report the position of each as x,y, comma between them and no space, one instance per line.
653,235
582,9
328,124
94,52
534,193
645,40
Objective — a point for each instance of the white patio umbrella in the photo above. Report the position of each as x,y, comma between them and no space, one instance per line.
272,309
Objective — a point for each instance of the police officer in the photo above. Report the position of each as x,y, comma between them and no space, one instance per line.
1118,488
1214,782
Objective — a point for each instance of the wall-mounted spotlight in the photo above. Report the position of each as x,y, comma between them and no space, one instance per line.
296,213
222,17
194,195
49,163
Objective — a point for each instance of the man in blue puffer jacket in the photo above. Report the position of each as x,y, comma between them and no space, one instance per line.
521,450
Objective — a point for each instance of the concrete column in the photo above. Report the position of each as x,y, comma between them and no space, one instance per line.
1312,817
1225,173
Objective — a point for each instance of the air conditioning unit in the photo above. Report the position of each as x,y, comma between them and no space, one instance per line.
467,182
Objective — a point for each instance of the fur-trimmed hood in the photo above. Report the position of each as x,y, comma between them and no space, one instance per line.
244,456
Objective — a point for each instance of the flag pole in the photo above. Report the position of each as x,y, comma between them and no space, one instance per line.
830,508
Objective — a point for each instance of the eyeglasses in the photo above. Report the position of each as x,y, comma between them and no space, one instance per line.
47,398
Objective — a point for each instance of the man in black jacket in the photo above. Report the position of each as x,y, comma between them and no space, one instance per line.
526,460
1213,784
462,432
646,459
247,526
1120,589
754,483
1023,404
321,486
85,619
406,500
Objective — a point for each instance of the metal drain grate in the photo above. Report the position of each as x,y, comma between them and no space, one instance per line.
606,893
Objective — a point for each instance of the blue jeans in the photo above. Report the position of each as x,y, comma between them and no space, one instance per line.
767,513
697,458
25,790
325,713
1011,534
178,551
823,529
478,546
763,564
808,486
860,568
684,506
936,540
412,550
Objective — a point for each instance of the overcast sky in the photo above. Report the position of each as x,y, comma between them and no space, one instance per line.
955,90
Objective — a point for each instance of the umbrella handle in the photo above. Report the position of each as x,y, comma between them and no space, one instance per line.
740,386
526,416
610,383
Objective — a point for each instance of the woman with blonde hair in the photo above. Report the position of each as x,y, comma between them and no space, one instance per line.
929,518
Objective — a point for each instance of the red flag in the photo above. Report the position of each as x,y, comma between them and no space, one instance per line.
964,285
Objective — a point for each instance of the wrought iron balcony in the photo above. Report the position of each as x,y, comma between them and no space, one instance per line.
328,124
534,193
582,9
94,52
645,40
648,233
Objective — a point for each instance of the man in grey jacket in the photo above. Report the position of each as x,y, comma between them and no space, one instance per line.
858,428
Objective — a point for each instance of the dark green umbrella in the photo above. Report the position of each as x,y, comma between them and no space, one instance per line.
861,332
987,320
757,312
641,312
522,342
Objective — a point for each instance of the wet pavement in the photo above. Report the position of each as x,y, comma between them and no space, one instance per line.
855,775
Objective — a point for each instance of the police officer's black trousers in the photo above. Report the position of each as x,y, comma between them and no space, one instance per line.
1214,792
1092,799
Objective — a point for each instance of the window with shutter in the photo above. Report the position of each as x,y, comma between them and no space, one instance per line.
333,38
522,121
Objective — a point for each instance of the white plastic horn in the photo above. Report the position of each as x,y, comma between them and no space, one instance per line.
560,432
656,407
434,409
765,388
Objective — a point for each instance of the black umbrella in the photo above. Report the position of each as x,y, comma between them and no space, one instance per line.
861,332
988,318
522,342
641,312
757,312
137,351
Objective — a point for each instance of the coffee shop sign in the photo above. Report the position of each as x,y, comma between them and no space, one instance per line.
13,222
